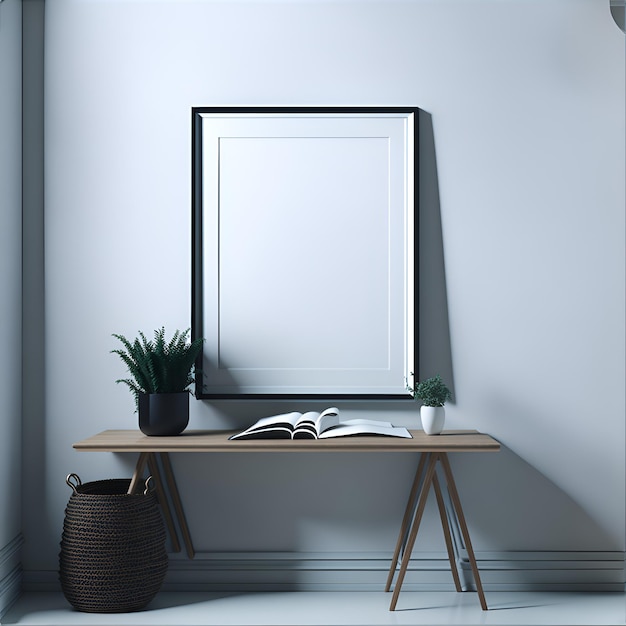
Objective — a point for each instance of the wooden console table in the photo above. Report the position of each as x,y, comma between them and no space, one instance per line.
433,450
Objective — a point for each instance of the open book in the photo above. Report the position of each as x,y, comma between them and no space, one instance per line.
312,425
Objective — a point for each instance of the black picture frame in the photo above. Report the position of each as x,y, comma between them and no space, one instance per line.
206,369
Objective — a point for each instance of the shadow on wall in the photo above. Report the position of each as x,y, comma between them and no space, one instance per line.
435,352
511,506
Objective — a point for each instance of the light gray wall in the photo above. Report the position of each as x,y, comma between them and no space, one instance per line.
10,288
523,206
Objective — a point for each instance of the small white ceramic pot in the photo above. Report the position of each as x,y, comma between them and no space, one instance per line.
433,419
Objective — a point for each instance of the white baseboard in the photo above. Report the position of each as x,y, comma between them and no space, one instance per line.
510,571
350,571
10,573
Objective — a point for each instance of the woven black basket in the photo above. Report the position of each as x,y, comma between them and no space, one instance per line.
113,557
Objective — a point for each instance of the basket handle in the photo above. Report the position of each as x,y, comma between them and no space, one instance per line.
73,481
149,486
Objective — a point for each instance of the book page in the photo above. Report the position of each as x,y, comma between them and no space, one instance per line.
363,423
305,427
348,430
327,419
289,419
284,423
310,417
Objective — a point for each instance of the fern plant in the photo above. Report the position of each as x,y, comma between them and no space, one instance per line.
158,365
432,391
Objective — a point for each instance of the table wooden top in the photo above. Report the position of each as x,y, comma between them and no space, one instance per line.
217,441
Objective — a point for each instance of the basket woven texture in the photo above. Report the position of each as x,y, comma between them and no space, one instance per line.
113,556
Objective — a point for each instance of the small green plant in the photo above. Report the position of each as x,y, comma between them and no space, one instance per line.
432,391
159,366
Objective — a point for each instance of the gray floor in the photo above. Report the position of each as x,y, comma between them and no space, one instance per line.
337,609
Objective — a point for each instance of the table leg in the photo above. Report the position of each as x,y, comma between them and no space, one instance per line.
406,520
446,532
150,459
430,471
138,473
178,507
456,502
153,467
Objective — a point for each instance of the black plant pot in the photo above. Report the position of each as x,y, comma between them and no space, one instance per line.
163,414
